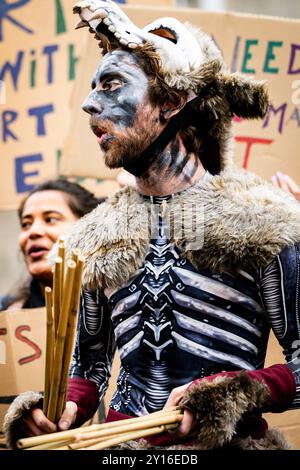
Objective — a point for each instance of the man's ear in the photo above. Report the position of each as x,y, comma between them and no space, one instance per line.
171,108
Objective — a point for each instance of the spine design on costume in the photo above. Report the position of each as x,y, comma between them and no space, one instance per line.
159,385
156,325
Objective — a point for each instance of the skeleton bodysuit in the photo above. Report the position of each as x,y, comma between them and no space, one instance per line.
173,324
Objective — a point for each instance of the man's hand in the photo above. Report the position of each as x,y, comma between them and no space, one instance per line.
36,423
186,425
287,183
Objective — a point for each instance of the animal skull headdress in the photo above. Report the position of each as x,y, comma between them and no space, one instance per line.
186,60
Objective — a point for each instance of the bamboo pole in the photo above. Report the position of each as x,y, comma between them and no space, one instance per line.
71,433
69,342
127,437
52,445
50,344
62,254
61,336
57,292
75,255
57,437
82,444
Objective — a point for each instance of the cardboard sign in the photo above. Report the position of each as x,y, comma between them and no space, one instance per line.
22,346
264,47
39,56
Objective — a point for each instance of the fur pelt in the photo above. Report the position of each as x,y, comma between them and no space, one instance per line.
17,410
218,406
246,222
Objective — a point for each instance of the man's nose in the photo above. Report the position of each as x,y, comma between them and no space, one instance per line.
92,106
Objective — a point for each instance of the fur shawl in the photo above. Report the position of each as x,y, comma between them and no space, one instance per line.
231,221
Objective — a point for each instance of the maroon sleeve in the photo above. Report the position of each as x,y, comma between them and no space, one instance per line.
86,396
280,382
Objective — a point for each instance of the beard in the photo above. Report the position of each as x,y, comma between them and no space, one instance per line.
124,147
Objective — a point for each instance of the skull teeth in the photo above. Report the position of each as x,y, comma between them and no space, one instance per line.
117,35
112,28
98,15
81,24
132,45
123,42
107,21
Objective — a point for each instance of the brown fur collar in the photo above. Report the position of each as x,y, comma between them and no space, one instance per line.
16,412
246,222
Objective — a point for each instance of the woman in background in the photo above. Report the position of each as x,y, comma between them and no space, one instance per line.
45,214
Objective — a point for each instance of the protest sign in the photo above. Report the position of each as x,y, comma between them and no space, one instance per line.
22,346
266,48
39,56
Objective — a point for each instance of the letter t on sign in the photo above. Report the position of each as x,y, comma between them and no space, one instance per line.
251,141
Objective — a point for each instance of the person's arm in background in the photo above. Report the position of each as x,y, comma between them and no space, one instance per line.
88,376
285,182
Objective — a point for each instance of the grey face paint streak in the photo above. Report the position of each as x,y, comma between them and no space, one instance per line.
118,106
178,163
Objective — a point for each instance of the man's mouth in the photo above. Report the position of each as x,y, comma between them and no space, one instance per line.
101,134
102,137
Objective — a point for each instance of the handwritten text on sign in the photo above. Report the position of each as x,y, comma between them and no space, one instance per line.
39,54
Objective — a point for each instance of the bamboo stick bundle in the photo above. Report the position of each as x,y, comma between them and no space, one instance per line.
72,435
49,347
60,340
69,341
126,426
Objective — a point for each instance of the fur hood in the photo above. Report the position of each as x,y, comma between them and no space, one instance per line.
224,222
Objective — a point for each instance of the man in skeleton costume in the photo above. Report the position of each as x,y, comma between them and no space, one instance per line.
186,273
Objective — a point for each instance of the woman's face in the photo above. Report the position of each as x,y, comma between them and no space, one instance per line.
46,215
